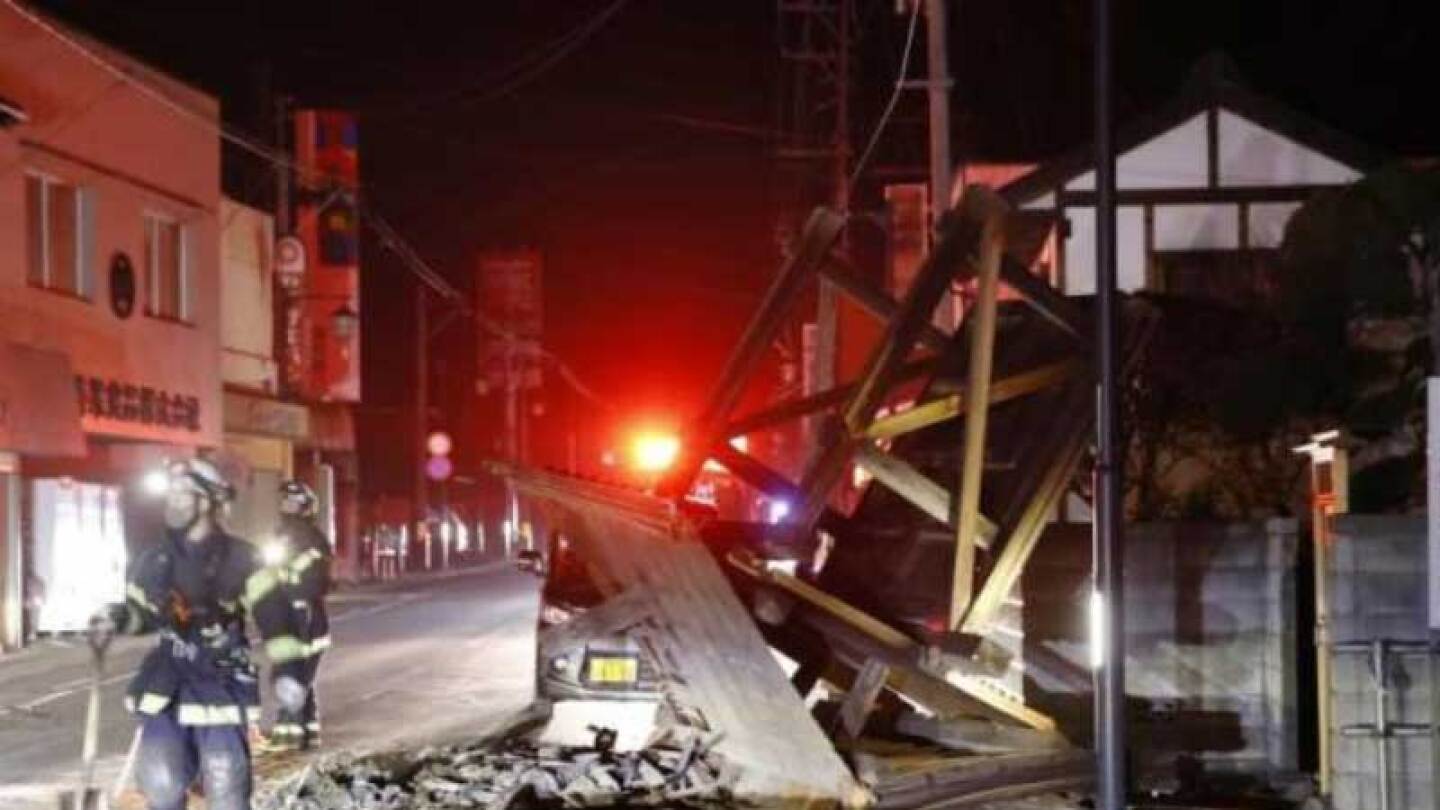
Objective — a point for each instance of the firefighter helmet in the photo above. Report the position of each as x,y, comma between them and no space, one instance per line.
297,498
202,477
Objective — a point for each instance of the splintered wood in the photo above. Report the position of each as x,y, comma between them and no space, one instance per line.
715,667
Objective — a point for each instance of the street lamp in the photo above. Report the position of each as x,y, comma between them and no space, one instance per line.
345,321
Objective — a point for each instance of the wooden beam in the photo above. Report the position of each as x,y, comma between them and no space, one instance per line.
860,700
875,301
1232,195
961,234
609,618
805,406
957,249
1026,533
945,408
1049,302
977,414
758,475
916,488
950,693
821,232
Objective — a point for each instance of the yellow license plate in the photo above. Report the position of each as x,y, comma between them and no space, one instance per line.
614,670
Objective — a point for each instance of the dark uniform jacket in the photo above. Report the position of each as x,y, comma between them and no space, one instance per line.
305,575
197,596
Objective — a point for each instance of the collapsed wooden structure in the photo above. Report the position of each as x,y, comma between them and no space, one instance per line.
971,441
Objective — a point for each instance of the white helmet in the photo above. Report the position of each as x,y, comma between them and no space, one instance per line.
201,477
297,498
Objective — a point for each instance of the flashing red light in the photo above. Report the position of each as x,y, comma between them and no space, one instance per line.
655,452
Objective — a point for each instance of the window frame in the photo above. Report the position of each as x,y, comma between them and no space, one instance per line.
84,249
153,221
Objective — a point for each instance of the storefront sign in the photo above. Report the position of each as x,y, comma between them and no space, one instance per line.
136,404
265,417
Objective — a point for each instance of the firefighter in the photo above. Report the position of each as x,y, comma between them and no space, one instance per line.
197,690
301,557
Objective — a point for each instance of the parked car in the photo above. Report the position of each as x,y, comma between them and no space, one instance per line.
571,666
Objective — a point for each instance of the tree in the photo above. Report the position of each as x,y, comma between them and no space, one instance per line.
1359,298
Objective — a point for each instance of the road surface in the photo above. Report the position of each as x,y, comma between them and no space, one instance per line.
442,659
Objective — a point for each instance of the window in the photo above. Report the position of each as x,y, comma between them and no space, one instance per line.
166,271
60,235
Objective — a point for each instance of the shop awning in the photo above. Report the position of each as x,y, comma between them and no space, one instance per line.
39,412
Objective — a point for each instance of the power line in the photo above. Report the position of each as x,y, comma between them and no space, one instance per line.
894,97
520,72
217,128
442,287
389,237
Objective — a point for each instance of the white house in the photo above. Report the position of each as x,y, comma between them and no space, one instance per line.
1205,186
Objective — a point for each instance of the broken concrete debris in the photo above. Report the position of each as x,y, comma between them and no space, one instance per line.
677,769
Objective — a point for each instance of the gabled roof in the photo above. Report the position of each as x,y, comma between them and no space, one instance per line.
1214,82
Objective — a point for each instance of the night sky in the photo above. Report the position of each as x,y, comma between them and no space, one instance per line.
659,235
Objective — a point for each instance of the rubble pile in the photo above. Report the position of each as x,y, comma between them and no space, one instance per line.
676,770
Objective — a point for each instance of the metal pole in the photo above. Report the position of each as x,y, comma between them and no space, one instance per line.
422,407
283,224
12,561
1432,510
1108,539
1379,664
512,444
283,227
937,86
827,319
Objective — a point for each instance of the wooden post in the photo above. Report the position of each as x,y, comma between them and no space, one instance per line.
1026,531
1329,495
977,410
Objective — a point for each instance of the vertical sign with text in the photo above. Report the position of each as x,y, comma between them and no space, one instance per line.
322,318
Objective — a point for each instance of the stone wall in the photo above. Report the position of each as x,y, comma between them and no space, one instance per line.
1211,639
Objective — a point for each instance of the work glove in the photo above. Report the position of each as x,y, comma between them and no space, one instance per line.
107,622
290,693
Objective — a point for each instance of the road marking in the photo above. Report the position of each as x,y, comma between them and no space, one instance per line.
31,706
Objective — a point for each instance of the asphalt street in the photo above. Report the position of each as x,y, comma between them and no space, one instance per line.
419,661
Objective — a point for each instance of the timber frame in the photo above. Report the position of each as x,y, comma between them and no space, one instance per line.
970,250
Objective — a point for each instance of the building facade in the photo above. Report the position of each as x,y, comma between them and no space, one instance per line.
260,430
1205,187
110,312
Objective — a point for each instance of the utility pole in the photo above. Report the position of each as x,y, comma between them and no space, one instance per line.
512,440
1108,599
422,407
937,88
813,118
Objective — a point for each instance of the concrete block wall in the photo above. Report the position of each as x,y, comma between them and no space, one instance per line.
1211,635
1377,589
